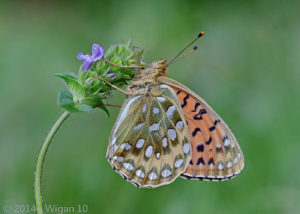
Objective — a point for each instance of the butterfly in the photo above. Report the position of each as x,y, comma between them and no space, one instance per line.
165,130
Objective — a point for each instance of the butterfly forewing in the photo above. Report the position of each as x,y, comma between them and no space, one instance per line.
150,143
216,154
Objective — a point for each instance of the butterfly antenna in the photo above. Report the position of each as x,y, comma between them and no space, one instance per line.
181,57
186,47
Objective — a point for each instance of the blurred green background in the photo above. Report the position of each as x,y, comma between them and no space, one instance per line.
247,68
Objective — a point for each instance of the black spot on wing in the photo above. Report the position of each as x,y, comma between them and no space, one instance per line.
185,101
195,131
196,106
212,128
208,141
211,161
200,161
200,148
216,122
191,162
202,111
199,115
178,92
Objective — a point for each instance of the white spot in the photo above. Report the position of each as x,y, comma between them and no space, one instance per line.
170,111
140,143
152,176
186,148
218,146
155,111
239,155
166,173
115,147
120,159
144,108
124,113
157,155
128,166
138,127
165,86
229,164
113,140
172,134
161,99
226,142
220,166
126,146
178,163
149,151
164,142
139,173
211,165
154,127
179,125
235,160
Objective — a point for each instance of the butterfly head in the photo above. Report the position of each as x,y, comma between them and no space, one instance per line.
160,67
148,76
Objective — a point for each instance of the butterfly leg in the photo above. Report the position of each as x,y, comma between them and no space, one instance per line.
122,66
115,87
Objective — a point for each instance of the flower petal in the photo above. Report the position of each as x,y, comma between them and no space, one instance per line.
112,75
86,65
97,52
81,56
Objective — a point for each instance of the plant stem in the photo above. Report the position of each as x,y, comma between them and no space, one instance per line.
41,157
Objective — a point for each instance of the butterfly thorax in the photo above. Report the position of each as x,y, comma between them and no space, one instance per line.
146,78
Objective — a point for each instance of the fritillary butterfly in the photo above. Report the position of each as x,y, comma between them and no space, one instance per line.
165,130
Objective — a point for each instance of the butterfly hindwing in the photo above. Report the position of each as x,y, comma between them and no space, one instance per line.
216,154
150,143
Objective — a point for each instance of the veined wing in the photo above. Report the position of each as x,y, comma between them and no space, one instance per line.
150,144
216,154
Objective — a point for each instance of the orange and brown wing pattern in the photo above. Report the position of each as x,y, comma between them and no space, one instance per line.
216,154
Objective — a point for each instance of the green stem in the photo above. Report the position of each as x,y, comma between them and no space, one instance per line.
40,161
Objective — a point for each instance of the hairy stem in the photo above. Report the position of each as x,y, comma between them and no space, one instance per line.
41,158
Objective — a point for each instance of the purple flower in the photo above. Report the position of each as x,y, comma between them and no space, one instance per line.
112,74
97,53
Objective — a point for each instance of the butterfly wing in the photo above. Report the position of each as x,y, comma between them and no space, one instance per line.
216,154
150,144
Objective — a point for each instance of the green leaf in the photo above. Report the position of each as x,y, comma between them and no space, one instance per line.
128,43
84,108
75,88
110,52
139,51
65,100
105,110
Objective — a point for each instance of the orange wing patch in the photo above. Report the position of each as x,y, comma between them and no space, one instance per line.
215,152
